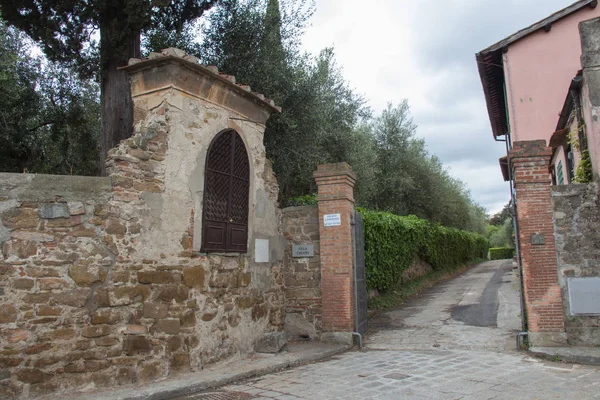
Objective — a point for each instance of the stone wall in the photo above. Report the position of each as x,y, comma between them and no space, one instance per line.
576,221
102,282
302,276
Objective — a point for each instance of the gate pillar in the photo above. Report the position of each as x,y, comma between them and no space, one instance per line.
336,207
543,300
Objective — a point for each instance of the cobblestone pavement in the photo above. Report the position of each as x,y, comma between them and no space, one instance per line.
420,351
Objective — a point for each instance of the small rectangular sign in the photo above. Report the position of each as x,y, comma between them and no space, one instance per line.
261,250
303,250
332,219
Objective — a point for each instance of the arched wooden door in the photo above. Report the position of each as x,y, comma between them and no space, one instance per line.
226,195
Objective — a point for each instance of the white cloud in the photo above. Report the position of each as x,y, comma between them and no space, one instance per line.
424,50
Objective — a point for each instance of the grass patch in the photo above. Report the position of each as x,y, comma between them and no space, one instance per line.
398,295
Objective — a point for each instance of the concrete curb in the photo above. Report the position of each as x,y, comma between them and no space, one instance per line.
194,382
576,355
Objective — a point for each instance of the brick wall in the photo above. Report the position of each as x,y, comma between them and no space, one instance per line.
529,160
576,221
302,276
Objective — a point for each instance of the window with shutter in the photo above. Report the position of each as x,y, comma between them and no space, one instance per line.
226,193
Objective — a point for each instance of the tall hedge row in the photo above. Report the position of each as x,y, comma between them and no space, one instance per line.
392,243
501,253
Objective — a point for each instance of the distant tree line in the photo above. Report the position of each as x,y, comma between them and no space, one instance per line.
51,122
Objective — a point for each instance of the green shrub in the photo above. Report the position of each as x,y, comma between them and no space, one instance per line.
393,242
306,200
501,253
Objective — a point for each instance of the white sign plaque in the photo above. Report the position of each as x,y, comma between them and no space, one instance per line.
332,219
261,250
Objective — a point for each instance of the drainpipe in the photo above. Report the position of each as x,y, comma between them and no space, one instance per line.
513,203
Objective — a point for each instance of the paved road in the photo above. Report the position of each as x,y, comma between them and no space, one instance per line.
455,341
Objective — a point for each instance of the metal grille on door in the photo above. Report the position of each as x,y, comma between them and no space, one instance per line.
226,191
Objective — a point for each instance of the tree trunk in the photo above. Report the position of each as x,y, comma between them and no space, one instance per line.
116,103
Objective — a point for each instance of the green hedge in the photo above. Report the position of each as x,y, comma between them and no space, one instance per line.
501,253
392,243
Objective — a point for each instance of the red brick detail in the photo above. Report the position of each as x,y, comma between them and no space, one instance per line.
529,161
336,196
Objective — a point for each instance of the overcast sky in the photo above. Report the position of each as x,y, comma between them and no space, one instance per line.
424,50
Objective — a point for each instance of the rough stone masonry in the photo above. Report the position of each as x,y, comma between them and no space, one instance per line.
102,282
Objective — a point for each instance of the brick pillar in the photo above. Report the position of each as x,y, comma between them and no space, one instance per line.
529,161
336,196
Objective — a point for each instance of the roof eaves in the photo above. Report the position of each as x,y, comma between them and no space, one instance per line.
542,24
491,58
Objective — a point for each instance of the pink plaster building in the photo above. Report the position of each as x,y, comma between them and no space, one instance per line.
527,76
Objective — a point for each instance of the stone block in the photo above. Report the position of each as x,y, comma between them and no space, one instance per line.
6,270
115,227
38,348
126,376
136,330
133,345
245,302
271,343
259,311
16,335
23,284
95,331
244,279
95,365
48,311
54,210
8,362
159,277
39,272
19,249
34,236
171,326
76,207
122,296
297,327
174,343
60,334
8,313
65,222
156,310
149,372
36,298
73,298
106,316
46,361
194,277
179,293
188,319
180,362
51,283
141,154
86,275
29,375
223,280
83,232
20,218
